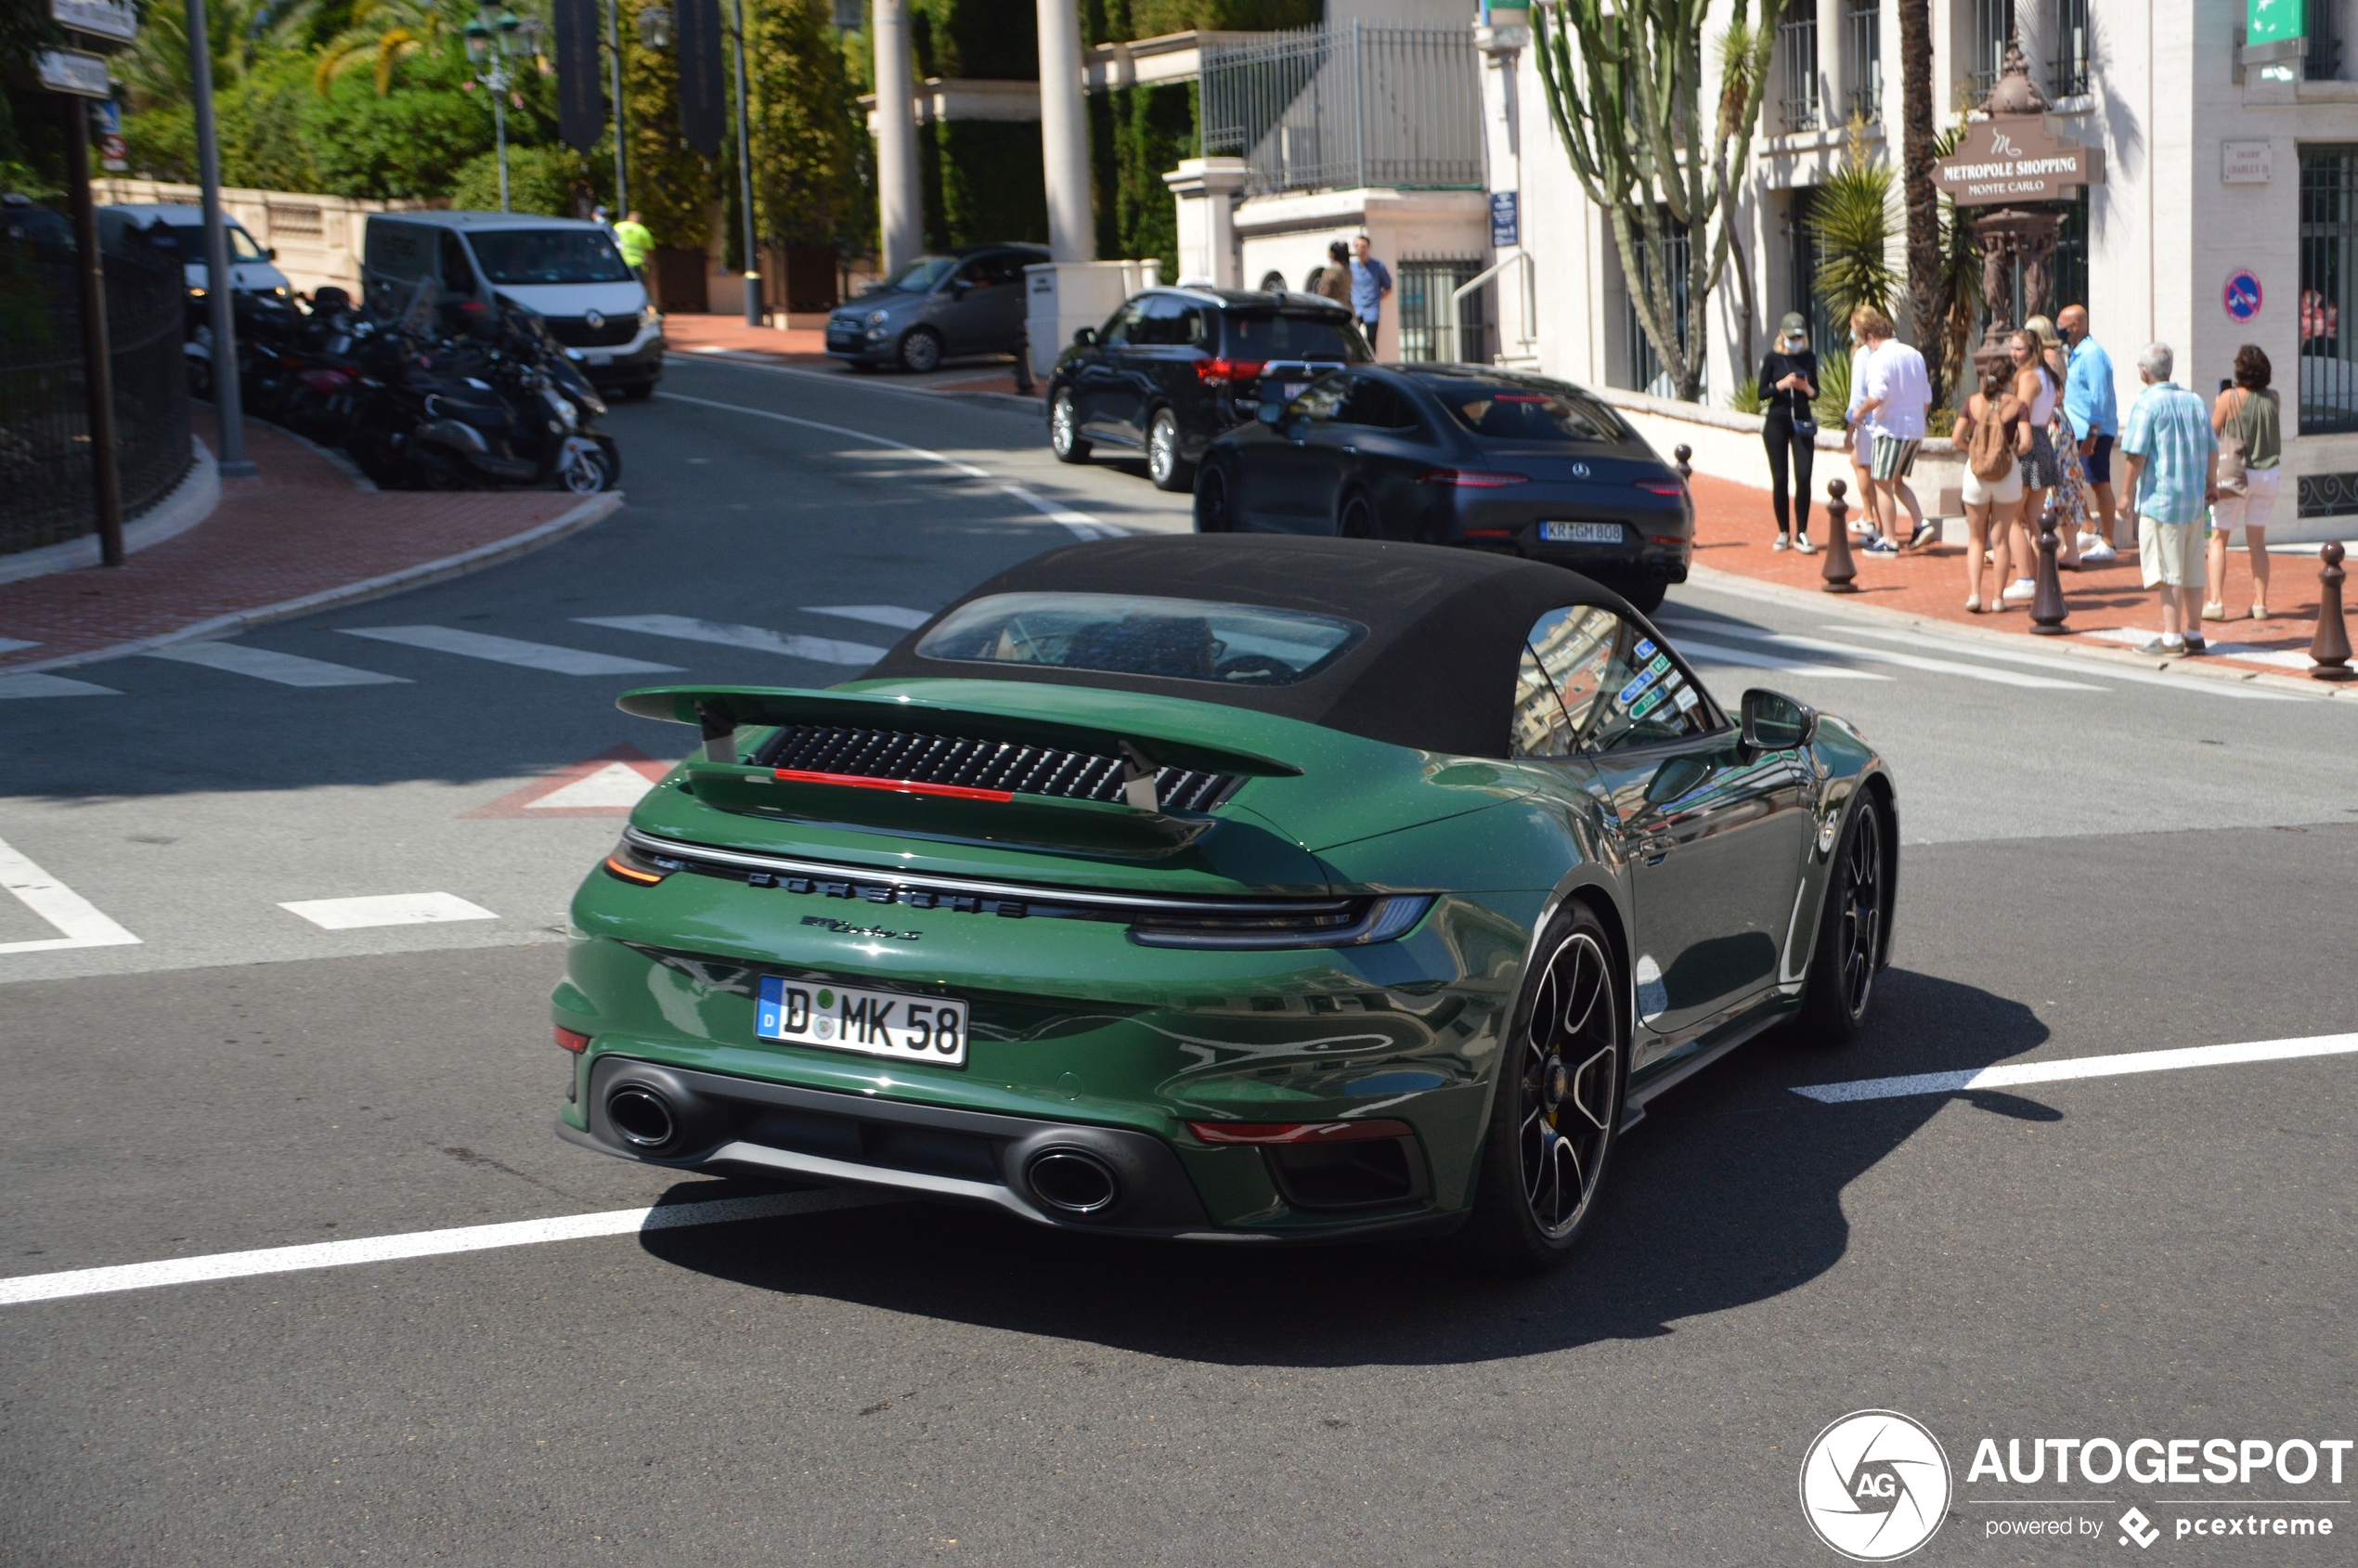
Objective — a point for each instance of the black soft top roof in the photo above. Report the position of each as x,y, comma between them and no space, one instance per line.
1436,670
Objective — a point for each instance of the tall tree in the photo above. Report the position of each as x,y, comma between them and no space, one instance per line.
1624,87
1927,276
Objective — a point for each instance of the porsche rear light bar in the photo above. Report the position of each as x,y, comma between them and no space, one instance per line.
898,786
1264,1133
1470,478
1221,372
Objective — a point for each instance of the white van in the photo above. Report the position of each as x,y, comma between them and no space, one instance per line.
567,269
180,231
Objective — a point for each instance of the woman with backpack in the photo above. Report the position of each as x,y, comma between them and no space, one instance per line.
2251,447
1994,433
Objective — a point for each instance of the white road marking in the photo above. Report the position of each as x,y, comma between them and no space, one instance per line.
69,1283
508,650
265,663
59,905
40,685
1882,655
2079,1066
1711,653
2294,660
874,615
14,644
386,908
617,783
2065,661
1080,523
687,629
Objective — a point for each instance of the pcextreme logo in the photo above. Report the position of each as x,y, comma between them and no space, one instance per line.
1874,1485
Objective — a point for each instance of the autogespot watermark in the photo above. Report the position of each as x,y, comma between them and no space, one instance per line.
1875,1485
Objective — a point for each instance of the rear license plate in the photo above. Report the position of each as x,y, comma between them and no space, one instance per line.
1294,389
601,359
876,1023
1580,532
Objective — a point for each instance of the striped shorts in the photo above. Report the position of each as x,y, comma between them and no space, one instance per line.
1894,459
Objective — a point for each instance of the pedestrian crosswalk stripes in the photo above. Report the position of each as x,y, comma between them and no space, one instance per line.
37,685
2063,661
510,651
1881,655
269,664
874,615
687,629
1711,653
15,645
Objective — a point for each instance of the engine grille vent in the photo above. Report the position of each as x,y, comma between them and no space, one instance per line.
948,759
574,332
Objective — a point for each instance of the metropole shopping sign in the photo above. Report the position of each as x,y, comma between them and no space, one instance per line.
2015,158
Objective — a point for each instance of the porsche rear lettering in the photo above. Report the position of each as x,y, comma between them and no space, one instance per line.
846,928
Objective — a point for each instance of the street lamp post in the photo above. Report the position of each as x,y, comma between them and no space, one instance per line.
621,129
744,180
494,38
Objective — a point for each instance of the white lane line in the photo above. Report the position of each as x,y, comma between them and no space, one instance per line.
59,905
40,685
1883,656
15,644
417,1244
1080,523
874,615
266,664
2060,661
386,908
2079,1066
508,650
1711,653
687,629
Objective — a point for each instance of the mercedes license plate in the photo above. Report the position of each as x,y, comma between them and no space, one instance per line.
1295,389
1580,532
876,1023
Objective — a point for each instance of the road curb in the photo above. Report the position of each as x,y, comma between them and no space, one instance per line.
594,509
1004,402
188,503
1741,587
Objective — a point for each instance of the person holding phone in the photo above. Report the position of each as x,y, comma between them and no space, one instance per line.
1789,428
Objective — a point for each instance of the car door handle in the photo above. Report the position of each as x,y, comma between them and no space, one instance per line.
1652,847
1353,451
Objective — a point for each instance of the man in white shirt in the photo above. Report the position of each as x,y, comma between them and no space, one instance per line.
1895,394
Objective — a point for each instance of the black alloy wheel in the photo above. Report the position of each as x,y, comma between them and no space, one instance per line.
1164,465
1556,1111
1850,932
1064,429
1215,511
921,350
1355,518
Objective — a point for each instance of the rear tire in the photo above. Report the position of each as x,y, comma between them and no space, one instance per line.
1215,501
1555,1112
1355,517
1851,933
1064,429
921,351
1164,465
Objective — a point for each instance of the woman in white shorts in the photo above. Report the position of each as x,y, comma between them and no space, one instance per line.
1990,502
2247,409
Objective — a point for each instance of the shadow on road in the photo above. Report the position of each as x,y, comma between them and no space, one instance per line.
1730,1192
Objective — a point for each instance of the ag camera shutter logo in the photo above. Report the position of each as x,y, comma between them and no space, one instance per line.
1875,1485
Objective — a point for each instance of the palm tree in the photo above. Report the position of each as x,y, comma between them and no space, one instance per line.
1850,221
386,31
1928,296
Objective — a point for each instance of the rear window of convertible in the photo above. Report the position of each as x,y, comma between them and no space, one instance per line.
1132,634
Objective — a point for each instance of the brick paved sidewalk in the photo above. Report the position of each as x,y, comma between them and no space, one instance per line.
1734,526
298,537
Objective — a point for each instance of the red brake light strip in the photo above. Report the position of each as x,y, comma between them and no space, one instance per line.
898,786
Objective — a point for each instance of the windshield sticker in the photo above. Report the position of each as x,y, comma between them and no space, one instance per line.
1651,701
1644,649
1687,699
1644,679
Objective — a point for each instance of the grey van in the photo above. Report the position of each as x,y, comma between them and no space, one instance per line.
567,269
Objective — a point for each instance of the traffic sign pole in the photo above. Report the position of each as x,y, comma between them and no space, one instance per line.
97,372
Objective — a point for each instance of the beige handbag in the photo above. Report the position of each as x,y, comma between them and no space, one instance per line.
2235,450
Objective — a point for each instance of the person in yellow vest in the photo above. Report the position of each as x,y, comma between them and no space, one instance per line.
637,244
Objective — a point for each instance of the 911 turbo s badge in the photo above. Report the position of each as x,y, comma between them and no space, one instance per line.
846,928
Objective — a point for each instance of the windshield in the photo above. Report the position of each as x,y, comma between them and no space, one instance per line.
548,255
1523,408
190,242
921,275
1329,338
1131,634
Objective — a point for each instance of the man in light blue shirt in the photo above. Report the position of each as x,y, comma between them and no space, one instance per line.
1370,282
2174,474
2088,403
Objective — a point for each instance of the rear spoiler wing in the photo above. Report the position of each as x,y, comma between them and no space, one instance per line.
720,711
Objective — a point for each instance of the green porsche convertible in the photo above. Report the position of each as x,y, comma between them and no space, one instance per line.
1226,888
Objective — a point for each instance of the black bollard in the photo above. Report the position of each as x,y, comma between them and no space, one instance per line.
1840,572
2047,606
2329,650
1682,452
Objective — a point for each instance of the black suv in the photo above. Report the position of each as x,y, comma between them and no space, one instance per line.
1174,368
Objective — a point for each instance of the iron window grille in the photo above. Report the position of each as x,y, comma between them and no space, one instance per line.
2321,55
2329,388
1644,364
2067,70
1430,330
1993,25
1863,19
1797,44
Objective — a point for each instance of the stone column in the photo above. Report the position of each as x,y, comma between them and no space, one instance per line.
900,201
1063,134
1206,190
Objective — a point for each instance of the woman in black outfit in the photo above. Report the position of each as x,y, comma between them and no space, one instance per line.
1788,385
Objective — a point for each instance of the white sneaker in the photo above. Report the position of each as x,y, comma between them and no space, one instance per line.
1780,542
2022,590
2087,542
2098,554
1801,542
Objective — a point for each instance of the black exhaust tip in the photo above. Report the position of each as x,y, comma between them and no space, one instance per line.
642,1116
1072,1182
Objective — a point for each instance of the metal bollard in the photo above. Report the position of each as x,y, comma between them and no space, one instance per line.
1841,573
2047,607
2329,650
1682,452
1023,362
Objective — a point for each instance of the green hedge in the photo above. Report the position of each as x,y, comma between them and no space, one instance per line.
982,183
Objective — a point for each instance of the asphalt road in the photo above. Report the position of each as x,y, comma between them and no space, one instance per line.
2107,865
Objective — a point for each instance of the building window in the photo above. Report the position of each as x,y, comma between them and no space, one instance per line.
1431,329
2328,289
1994,27
1864,50
2321,55
2067,70
1797,36
1805,254
1647,375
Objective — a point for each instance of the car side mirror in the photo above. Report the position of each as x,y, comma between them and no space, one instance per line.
961,287
1270,414
1775,722
1085,337
270,255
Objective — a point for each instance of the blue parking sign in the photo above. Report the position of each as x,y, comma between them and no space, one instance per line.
1506,219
